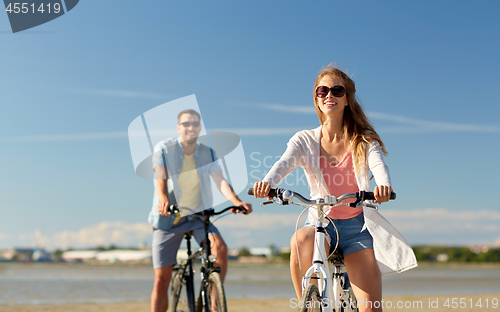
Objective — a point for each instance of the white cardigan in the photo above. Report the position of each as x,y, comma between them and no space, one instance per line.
392,252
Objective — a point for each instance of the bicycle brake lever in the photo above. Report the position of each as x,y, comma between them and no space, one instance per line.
238,210
268,202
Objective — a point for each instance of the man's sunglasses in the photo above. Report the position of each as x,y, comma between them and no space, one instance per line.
188,124
337,91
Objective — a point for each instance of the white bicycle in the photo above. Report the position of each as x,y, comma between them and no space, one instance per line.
333,292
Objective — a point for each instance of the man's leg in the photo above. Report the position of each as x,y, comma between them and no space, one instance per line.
164,247
219,250
159,296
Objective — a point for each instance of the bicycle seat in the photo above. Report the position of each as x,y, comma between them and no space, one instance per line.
337,257
188,234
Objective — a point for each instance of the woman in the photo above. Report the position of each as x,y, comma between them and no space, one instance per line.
337,158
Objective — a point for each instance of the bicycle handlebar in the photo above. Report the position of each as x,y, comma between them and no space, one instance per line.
173,209
285,195
272,192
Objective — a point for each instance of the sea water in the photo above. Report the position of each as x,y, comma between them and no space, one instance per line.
78,283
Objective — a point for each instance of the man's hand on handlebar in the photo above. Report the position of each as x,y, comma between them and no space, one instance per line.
163,209
382,194
247,207
261,190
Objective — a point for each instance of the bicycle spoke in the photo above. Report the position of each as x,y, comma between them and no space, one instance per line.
179,300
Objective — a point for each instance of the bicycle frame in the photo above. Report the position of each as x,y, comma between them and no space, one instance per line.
186,267
207,265
206,268
332,297
321,270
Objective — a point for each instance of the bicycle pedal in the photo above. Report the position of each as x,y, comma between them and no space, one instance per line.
176,267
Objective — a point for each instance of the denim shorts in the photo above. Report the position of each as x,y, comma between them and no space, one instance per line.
166,243
351,238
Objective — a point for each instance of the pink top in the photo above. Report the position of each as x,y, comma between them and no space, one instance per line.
341,180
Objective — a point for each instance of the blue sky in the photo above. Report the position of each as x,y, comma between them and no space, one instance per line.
426,72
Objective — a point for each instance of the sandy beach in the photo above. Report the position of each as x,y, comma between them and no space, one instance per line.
463,303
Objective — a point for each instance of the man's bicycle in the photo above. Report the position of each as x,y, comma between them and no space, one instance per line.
212,297
331,293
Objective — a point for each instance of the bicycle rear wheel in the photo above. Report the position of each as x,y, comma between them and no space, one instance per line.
311,299
216,297
179,298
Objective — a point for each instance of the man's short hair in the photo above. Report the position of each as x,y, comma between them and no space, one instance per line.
190,112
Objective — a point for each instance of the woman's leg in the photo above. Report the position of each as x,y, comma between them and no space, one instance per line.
366,279
305,240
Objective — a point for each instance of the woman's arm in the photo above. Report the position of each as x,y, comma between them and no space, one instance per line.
376,164
288,162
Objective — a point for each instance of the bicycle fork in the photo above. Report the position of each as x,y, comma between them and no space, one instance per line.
189,279
319,267
337,287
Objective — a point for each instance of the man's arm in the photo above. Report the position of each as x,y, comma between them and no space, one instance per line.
161,174
228,191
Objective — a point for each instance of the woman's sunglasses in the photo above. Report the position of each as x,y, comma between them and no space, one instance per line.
188,124
337,91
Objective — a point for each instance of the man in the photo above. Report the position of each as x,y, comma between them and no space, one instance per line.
183,166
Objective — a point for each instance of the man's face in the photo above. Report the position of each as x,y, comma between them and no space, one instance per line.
189,128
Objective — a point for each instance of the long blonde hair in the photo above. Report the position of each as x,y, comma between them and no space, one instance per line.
356,125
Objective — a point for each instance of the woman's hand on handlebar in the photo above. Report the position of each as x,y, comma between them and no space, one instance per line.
382,193
261,190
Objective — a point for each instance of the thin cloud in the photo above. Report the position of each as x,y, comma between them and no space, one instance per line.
290,109
83,136
430,219
446,223
123,93
123,135
102,234
408,125
65,137
421,125
438,225
259,131
433,124
259,221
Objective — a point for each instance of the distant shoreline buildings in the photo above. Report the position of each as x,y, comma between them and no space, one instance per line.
143,255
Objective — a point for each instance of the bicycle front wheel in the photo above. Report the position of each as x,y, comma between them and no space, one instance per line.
178,299
311,299
216,297
350,304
